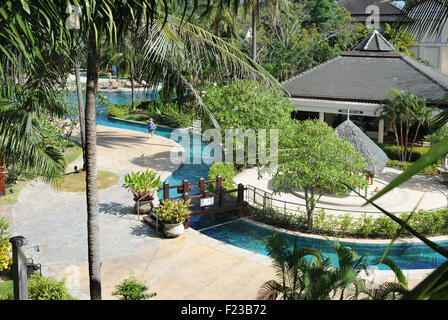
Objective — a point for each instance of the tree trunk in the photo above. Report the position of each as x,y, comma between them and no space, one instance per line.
93,228
254,30
81,110
413,141
132,86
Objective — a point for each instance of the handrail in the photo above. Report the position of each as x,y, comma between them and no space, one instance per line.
268,195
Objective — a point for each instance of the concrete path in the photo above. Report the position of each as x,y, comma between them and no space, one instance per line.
403,199
191,267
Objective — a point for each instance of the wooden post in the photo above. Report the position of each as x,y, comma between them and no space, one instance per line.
201,186
166,191
218,182
222,192
240,197
185,186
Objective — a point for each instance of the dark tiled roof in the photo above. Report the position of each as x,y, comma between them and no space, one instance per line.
368,77
375,42
357,9
359,6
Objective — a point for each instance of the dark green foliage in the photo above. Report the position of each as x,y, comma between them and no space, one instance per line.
392,153
132,289
115,112
304,274
41,288
246,105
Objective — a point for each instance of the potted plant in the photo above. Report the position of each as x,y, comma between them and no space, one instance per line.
143,185
173,214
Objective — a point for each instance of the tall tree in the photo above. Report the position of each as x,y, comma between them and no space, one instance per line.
314,160
169,43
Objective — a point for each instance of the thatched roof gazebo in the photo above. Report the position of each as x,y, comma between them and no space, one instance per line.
375,158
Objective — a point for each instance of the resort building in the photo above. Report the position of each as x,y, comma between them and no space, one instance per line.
362,10
354,85
433,49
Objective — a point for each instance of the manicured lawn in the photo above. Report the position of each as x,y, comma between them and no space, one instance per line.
72,152
76,182
6,290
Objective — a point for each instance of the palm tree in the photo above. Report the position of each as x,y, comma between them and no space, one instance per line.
21,138
305,275
27,25
403,111
429,16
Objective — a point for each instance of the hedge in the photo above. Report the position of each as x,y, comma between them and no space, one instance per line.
392,152
428,223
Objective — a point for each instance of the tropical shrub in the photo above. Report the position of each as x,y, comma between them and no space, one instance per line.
142,184
392,153
115,112
226,170
42,288
304,274
174,211
132,289
404,110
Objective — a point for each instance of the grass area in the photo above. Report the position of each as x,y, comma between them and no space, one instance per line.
6,290
76,182
72,152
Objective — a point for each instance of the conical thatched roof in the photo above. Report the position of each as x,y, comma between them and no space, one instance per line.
375,158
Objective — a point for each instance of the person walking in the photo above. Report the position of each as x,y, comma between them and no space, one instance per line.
151,128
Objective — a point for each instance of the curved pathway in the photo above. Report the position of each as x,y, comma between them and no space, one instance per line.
190,267
405,199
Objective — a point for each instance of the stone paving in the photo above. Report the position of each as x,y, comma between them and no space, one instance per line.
188,267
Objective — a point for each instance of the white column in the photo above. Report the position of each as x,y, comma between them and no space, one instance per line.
322,116
381,131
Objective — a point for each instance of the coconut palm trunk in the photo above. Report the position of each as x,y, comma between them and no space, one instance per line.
93,228
254,30
132,85
81,113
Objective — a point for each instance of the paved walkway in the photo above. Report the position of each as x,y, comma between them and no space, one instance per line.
402,199
190,267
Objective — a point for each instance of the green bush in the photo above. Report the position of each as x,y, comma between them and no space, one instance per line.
115,112
392,153
226,170
42,288
132,289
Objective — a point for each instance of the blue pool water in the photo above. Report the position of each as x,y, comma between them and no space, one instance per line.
237,232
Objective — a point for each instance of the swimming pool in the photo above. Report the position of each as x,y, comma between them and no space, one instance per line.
246,235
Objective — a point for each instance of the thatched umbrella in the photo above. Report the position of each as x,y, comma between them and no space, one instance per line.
375,158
